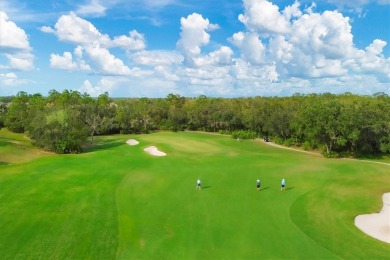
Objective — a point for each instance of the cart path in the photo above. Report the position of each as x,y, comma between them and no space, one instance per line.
317,153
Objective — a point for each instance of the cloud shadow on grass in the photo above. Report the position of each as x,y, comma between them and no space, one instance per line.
103,146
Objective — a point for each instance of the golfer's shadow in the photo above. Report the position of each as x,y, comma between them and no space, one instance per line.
206,187
265,188
290,188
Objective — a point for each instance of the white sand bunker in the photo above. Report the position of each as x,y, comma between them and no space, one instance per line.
154,151
132,142
377,225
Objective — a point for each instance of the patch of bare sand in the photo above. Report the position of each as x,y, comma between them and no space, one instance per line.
132,142
152,150
377,225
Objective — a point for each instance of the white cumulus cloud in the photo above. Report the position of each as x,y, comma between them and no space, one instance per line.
47,29
292,11
371,61
104,85
74,29
21,61
222,56
252,49
63,62
67,62
102,61
95,47
135,41
194,35
71,28
328,33
263,17
156,58
12,36
14,45
304,45
8,79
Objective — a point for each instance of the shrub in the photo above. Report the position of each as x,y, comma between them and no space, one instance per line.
384,146
278,140
306,145
288,142
244,134
64,147
332,154
346,154
224,132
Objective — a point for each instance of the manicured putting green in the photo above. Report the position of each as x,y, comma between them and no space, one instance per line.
116,201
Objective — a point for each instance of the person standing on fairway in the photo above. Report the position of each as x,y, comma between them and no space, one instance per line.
258,184
198,184
283,185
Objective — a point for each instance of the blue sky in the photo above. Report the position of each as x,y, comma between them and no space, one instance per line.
232,48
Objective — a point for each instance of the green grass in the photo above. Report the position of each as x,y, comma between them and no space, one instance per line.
17,148
116,201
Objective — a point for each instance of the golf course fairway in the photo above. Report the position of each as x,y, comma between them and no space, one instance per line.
116,201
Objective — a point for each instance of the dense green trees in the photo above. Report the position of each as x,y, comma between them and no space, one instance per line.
17,113
344,124
97,114
3,111
55,123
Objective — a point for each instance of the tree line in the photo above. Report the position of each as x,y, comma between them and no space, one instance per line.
340,125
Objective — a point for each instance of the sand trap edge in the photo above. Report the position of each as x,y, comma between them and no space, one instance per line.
376,225
152,150
132,142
